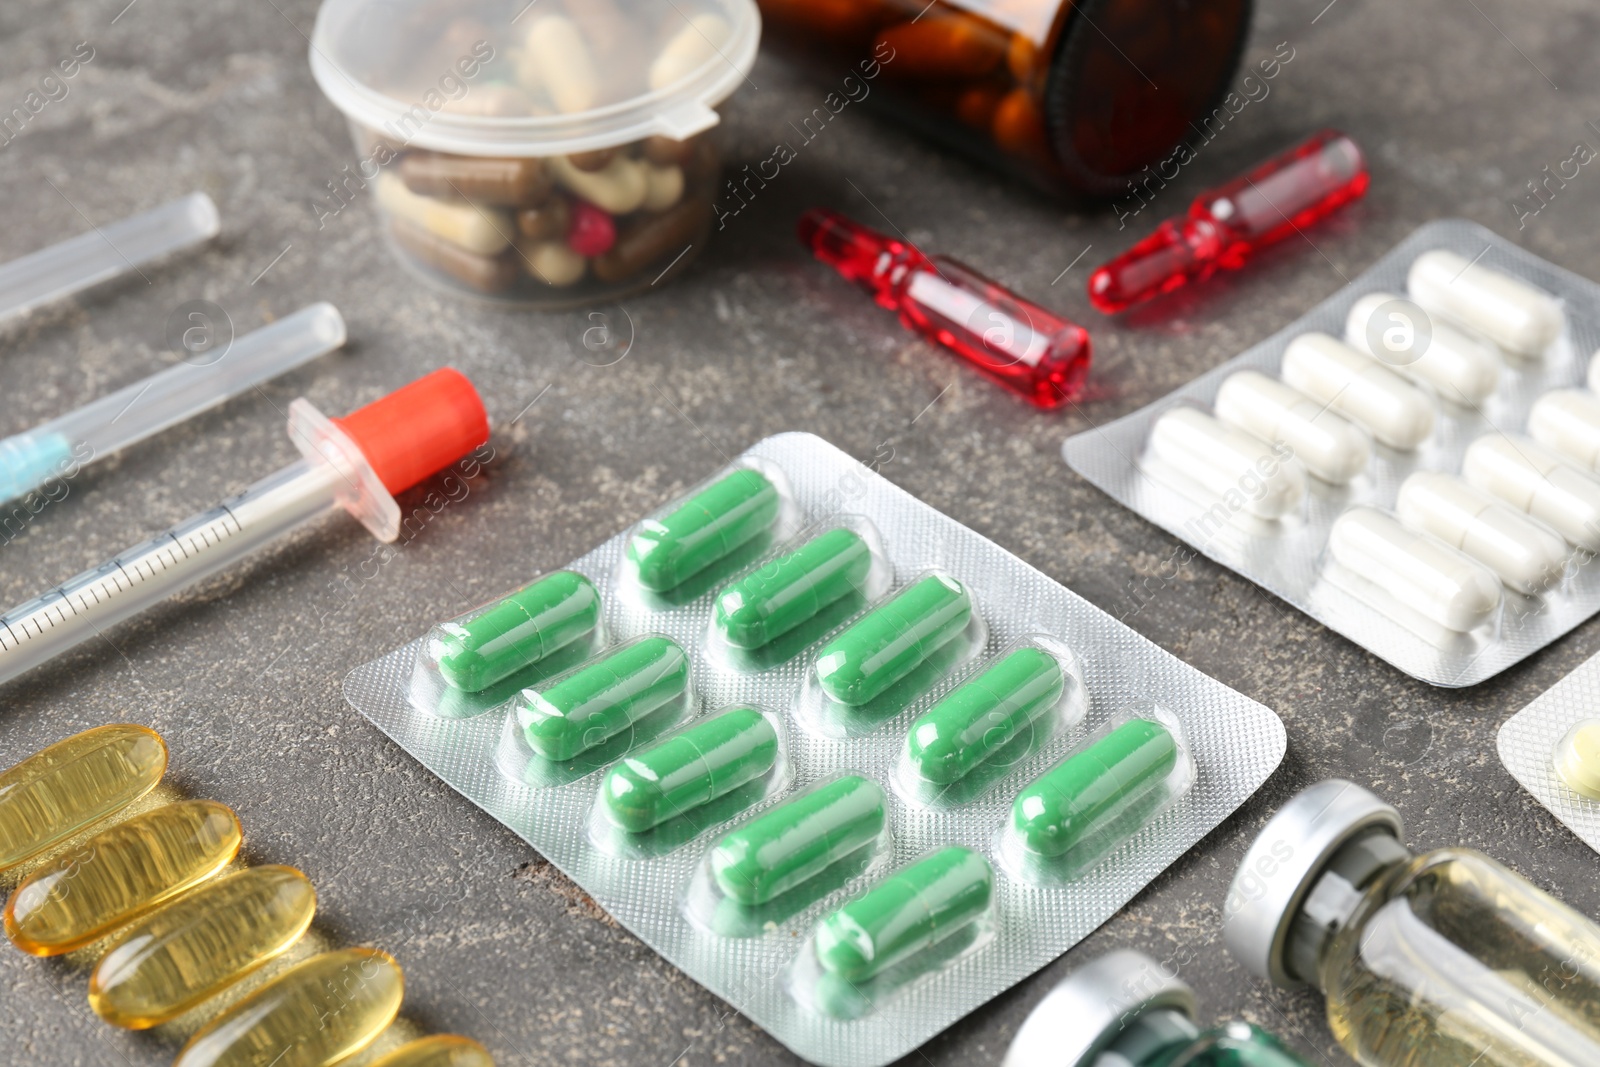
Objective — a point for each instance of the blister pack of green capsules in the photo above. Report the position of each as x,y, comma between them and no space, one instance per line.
851,766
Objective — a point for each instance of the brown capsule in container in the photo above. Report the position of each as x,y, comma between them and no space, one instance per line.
664,151
487,274
501,182
592,160
649,238
705,162
547,222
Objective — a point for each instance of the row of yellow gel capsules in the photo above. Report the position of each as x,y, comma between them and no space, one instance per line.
192,935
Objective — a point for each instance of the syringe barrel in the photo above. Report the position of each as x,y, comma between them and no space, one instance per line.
193,550
63,445
105,252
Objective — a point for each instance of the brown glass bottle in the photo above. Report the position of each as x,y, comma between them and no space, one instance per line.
1075,96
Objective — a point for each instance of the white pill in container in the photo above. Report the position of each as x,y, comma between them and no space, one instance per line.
1401,335
1229,463
1354,384
1527,475
1511,313
1425,574
1527,556
1568,420
1328,445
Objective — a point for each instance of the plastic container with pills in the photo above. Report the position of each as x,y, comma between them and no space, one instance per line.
1090,98
556,155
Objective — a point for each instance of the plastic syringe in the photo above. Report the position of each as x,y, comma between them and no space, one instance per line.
105,252
358,463
62,446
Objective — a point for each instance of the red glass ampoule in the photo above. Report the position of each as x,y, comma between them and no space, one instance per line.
1226,225
1015,342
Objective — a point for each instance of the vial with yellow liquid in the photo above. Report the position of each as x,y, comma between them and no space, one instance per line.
1434,960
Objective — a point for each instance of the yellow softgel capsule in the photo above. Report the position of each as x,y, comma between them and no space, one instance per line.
74,784
185,952
316,1013
441,1050
1578,758
119,874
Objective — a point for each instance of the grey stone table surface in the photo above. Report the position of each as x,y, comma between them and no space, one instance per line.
1458,106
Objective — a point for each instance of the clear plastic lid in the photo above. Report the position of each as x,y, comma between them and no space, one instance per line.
520,78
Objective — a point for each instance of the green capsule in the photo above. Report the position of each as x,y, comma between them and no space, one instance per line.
541,618
600,700
793,843
905,913
893,640
1067,801
789,590
703,529
965,728
689,769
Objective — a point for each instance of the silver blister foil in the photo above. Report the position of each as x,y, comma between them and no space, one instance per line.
1528,740
1235,742
1289,557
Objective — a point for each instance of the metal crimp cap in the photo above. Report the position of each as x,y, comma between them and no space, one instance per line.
1284,864
1084,1015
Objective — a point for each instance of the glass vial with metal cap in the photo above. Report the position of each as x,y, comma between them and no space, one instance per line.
1100,97
1432,960
1127,1010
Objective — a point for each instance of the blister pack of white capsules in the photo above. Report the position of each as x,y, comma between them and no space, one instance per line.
1411,463
846,763
1552,747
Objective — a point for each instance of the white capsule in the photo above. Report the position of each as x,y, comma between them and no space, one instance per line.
1511,313
1359,387
619,187
553,263
474,228
1594,372
1442,584
1527,475
1526,555
690,49
1423,348
1331,448
556,57
1228,463
1568,420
